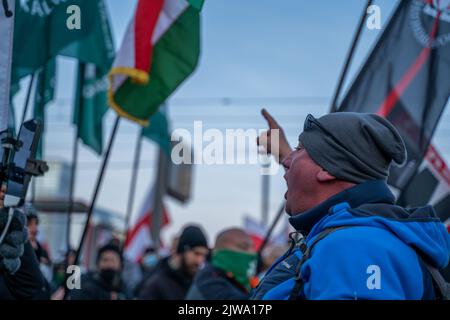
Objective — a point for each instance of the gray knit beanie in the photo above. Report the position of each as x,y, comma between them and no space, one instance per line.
353,147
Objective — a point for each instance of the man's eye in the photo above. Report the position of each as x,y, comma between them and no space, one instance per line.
298,148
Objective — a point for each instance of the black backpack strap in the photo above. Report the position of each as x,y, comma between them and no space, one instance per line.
298,287
441,286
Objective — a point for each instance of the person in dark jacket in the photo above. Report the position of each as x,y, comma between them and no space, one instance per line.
173,275
20,276
228,276
357,243
105,283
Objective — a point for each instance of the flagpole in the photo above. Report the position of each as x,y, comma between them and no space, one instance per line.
349,58
133,183
97,188
265,191
270,231
272,227
73,169
160,190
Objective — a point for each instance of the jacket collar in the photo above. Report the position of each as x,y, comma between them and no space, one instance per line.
373,191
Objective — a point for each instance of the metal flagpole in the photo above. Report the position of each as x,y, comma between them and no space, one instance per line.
133,182
98,183
349,58
160,190
272,227
73,169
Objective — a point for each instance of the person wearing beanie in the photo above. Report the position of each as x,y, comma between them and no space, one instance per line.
105,283
353,241
173,276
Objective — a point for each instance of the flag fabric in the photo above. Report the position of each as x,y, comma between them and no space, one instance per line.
160,50
44,93
430,184
158,131
6,38
139,236
42,33
406,78
96,54
258,232
90,105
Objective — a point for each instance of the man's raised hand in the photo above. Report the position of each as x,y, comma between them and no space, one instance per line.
265,139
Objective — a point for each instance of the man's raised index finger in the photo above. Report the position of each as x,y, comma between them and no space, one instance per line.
271,121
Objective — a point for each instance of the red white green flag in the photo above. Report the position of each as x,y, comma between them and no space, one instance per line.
159,51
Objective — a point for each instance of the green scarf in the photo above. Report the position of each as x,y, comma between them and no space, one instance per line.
241,265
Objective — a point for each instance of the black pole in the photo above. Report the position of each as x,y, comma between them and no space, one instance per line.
272,227
159,190
349,58
97,189
73,170
268,235
27,99
134,174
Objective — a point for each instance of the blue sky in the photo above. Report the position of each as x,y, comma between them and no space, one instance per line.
266,49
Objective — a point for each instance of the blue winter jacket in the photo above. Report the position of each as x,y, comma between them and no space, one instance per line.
377,257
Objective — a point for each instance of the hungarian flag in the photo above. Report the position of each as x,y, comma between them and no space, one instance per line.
139,236
406,78
159,51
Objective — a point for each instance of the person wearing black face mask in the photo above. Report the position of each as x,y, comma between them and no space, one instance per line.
105,283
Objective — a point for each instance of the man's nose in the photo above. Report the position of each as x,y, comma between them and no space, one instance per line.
287,161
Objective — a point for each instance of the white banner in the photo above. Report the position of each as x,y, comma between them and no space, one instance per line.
6,40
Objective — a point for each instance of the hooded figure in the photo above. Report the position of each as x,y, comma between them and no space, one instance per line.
336,181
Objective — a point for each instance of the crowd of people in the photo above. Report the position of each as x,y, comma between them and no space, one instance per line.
191,270
351,240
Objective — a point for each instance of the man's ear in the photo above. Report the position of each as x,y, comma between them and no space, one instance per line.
324,176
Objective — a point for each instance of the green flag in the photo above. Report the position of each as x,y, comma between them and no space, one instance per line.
47,28
96,54
90,105
158,131
44,28
45,90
